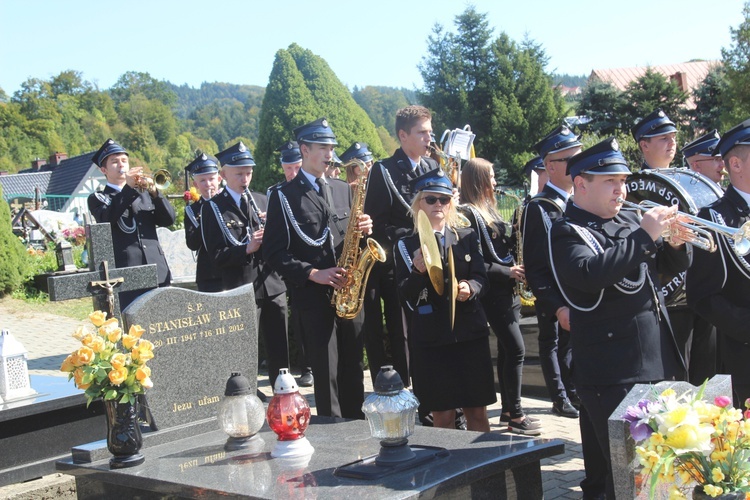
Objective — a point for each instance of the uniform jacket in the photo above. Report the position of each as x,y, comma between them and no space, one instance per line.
228,248
302,234
543,209
430,320
134,217
207,275
497,249
718,285
608,271
389,197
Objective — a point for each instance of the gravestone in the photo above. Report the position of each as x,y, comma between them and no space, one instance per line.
180,258
622,446
199,340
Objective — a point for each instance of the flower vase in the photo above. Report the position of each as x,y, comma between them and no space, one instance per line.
124,439
698,494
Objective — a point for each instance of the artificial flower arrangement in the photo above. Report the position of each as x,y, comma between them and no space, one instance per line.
191,195
110,364
683,440
75,235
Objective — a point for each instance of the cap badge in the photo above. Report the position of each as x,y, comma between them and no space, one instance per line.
440,173
324,122
242,147
289,145
615,145
204,157
357,146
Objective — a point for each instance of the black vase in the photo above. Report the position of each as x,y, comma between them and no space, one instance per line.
698,494
124,439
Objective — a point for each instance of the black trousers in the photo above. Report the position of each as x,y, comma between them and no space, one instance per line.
503,312
702,362
599,403
272,324
385,346
555,357
334,351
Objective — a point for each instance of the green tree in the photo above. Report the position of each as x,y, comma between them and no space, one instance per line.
381,105
13,263
709,102
649,92
601,102
134,82
736,61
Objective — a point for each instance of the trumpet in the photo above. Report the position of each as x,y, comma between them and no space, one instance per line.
699,230
161,179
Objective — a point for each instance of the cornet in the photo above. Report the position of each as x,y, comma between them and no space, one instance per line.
699,229
162,179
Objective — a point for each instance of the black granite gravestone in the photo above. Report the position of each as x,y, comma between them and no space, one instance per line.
199,340
82,284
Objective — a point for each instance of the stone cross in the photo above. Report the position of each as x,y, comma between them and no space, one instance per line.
102,277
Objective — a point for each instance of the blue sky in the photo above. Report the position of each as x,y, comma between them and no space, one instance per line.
379,42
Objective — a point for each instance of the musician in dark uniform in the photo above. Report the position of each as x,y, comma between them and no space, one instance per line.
359,151
233,231
204,171
389,198
134,208
718,284
551,310
291,161
451,360
699,155
605,262
656,138
307,222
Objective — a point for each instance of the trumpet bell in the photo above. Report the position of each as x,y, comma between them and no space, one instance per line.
742,239
162,179
430,252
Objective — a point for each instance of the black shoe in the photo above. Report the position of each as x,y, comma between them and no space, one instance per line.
504,419
575,401
306,380
564,409
525,427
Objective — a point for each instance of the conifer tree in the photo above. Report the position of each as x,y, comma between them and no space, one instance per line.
13,263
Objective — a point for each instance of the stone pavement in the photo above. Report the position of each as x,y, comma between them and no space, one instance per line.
48,340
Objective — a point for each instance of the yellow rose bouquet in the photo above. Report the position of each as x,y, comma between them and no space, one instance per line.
682,441
110,364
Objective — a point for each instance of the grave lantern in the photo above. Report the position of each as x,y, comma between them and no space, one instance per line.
390,411
14,370
240,414
64,253
288,416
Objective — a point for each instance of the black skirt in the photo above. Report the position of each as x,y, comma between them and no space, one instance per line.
452,376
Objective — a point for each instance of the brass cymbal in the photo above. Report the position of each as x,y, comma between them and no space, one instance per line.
430,251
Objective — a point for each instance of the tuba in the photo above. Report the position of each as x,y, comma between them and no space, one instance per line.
357,261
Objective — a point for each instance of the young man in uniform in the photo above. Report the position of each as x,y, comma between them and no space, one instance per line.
134,208
307,223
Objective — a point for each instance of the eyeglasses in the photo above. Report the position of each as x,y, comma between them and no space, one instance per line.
716,160
431,200
562,160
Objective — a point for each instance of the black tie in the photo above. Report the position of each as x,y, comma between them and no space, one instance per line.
244,205
441,243
323,190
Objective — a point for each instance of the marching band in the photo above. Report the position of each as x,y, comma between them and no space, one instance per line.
620,296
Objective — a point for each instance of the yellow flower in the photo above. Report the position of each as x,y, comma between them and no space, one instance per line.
668,393
143,351
712,491
118,360
68,365
676,494
136,331
87,339
147,383
717,475
84,355
82,331
78,376
118,375
128,341
98,318
142,373
98,345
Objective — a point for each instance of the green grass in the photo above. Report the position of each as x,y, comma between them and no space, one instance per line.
76,308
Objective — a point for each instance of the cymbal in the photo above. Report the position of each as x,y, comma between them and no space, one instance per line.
430,251
454,285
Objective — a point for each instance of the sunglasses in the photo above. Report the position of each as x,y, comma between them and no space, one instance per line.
431,200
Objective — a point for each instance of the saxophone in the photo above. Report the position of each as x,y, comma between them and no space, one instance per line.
522,287
357,261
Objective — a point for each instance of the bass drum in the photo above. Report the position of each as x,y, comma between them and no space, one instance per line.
690,191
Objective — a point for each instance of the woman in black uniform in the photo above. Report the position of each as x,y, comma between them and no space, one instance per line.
451,367
501,304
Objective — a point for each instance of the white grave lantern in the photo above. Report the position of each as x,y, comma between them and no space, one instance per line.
14,371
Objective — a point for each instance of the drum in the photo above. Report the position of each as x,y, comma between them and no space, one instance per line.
689,190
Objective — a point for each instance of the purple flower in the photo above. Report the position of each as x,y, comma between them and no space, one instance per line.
639,417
